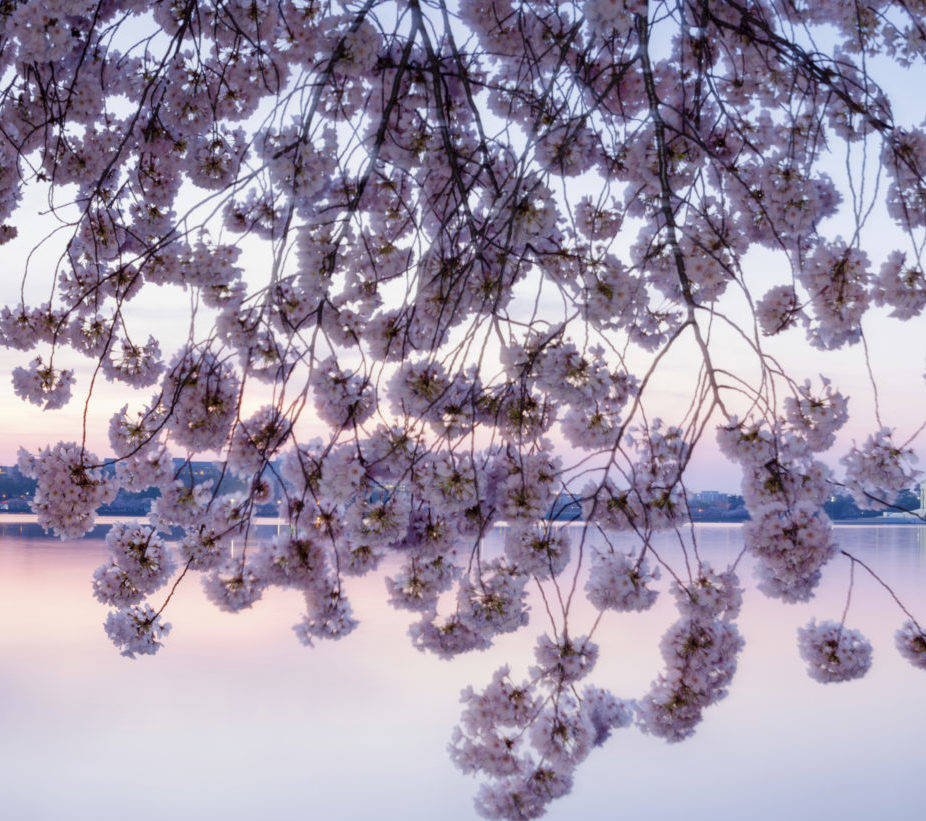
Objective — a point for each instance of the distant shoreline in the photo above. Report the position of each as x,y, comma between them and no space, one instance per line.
10,518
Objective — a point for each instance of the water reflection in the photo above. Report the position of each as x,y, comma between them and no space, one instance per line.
234,718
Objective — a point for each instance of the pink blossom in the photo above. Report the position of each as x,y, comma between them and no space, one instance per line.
833,652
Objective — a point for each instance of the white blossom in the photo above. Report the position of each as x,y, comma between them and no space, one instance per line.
911,643
137,629
833,652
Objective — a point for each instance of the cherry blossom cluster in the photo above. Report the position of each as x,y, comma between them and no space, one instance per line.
68,492
784,488
540,550
527,739
700,652
427,267
833,652
879,469
651,497
43,385
620,582
816,418
136,629
911,643
141,562
902,286
202,396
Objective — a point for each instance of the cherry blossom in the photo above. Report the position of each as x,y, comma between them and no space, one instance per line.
412,272
137,629
833,652
911,643
43,385
620,582
879,469
71,487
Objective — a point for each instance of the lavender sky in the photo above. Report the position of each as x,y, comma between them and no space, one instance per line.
892,393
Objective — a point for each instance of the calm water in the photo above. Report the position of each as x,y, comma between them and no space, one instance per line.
234,719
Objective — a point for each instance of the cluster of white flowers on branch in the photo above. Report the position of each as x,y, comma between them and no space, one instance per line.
481,227
833,652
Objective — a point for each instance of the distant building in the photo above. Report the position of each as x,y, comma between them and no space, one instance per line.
709,499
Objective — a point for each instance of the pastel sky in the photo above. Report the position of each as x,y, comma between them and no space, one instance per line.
896,350
896,355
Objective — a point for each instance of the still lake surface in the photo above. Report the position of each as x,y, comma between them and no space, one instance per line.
234,719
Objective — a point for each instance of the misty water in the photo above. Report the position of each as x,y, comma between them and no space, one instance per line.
234,719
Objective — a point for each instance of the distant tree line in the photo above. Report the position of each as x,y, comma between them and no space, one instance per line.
16,491
842,506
